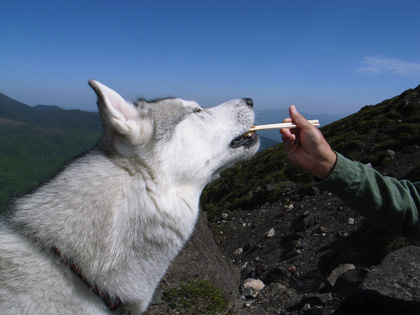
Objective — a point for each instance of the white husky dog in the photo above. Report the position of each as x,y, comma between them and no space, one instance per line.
105,229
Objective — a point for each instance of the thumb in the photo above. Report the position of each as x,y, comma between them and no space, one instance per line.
297,118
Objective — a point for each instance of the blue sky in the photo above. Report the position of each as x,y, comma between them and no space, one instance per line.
323,56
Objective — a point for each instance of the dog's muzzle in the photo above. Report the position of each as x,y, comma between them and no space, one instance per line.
246,140
249,138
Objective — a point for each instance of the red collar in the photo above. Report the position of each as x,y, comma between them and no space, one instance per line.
111,301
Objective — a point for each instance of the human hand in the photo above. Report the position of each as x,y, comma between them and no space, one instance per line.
307,147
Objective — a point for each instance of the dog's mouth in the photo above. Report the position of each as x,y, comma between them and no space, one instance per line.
246,140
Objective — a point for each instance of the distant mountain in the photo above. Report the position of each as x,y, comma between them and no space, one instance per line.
47,116
370,136
47,107
12,109
36,141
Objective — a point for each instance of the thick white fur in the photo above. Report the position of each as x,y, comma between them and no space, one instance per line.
122,211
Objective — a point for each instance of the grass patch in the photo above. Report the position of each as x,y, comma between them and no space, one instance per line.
399,242
196,297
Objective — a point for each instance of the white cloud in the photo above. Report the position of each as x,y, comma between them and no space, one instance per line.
379,65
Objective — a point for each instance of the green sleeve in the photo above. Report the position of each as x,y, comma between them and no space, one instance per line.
385,201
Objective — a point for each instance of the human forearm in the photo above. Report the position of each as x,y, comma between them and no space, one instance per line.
385,201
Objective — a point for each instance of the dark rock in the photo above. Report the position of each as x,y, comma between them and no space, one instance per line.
309,190
310,304
157,297
305,222
349,282
312,300
250,246
247,273
276,275
318,311
398,275
364,246
411,149
318,299
310,283
260,270
413,174
293,306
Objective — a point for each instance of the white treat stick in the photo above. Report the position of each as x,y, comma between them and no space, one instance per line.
281,125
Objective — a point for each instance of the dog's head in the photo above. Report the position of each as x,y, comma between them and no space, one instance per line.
177,140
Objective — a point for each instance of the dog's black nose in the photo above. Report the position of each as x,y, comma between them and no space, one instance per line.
249,101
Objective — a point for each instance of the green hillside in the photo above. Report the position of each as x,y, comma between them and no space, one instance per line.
36,142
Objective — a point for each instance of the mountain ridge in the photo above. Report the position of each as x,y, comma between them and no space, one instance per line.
47,107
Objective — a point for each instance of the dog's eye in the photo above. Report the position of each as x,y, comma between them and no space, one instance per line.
197,110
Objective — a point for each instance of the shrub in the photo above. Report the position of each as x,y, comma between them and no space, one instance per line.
399,242
353,149
386,161
196,297
413,174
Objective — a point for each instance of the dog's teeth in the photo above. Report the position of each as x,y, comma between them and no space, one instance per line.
249,134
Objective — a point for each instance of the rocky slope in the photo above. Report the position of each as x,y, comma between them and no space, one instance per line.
307,248
301,254
294,244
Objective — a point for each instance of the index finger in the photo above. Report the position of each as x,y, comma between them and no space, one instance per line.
285,132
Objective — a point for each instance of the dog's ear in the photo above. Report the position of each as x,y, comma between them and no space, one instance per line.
121,116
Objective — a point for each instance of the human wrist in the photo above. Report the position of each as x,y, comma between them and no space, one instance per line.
325,166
